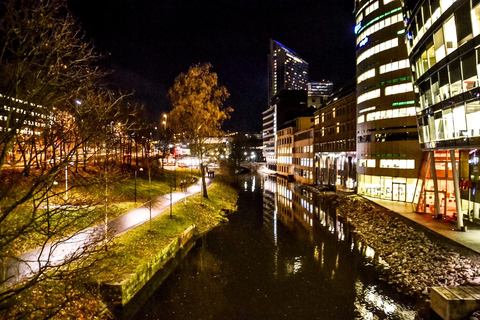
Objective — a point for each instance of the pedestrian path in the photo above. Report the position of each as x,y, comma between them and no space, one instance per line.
444,227
28,264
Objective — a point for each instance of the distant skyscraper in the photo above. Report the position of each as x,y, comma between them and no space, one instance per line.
286,70
318,92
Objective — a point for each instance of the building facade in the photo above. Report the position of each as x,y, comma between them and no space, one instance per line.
284,107
443,41
286,70
318,92
287,95
285,151
388,153
335,140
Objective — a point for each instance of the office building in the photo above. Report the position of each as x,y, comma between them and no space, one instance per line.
335,136
443,41
286,70
388,153
287,95
284,106
318,92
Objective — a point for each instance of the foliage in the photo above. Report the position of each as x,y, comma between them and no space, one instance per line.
198,109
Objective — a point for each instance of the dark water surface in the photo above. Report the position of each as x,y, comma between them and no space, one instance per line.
284,255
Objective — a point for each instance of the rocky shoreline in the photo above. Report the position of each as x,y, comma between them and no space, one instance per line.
411,261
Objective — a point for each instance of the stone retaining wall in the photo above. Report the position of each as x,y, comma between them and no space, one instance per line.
119,294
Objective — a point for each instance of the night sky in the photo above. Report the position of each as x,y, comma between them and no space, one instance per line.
149,42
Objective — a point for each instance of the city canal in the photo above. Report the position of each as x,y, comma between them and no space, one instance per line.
284,254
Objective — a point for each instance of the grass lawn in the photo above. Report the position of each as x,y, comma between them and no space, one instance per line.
138,246
36,228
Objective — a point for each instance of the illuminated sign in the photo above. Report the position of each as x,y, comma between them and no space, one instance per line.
358,27
363,42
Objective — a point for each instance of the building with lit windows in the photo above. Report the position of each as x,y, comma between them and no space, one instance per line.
286,70
443,41
302,151
285,150
285,106
287,95
388,153
318,92
335,136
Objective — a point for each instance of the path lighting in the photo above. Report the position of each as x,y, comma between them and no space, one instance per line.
66,180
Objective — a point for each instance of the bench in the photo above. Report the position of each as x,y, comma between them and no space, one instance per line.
454,303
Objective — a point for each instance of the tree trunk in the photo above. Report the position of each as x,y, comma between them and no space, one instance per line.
204,183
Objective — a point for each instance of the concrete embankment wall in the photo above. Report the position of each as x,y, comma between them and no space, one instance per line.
119,294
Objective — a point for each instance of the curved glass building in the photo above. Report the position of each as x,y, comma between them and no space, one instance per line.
388,153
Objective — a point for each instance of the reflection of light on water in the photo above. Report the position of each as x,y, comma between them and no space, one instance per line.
275,225
341,231
369,252
294,266
245,186
323,220
316,253
253,183
368,301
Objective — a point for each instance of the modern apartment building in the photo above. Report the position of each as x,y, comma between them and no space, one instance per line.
443,41
335,139
388,153
287,95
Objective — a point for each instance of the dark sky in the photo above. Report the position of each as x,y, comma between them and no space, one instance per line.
149,42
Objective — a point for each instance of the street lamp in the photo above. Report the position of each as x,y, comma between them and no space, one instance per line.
164,122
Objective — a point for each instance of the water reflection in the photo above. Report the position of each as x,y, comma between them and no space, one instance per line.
295,204
288,253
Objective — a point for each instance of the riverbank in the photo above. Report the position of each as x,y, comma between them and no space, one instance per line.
133,258
410,260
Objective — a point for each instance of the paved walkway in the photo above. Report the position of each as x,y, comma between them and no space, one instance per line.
444,227
54,254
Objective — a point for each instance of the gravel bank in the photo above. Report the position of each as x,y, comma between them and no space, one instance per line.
413,261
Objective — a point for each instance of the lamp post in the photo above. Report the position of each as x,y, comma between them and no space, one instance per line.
141,169
164,121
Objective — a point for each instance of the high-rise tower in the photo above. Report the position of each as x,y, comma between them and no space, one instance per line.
286,70
388,152
287,94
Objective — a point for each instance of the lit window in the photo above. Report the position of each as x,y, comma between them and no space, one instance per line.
376,49
368,96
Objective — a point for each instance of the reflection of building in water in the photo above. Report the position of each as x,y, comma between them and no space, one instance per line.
335,160
369,300
284,200
304,206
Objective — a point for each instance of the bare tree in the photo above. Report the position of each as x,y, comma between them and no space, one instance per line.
54,115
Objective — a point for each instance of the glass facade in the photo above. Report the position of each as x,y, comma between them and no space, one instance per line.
443,42
387,149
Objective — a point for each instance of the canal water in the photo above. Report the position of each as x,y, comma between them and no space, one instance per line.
284,255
